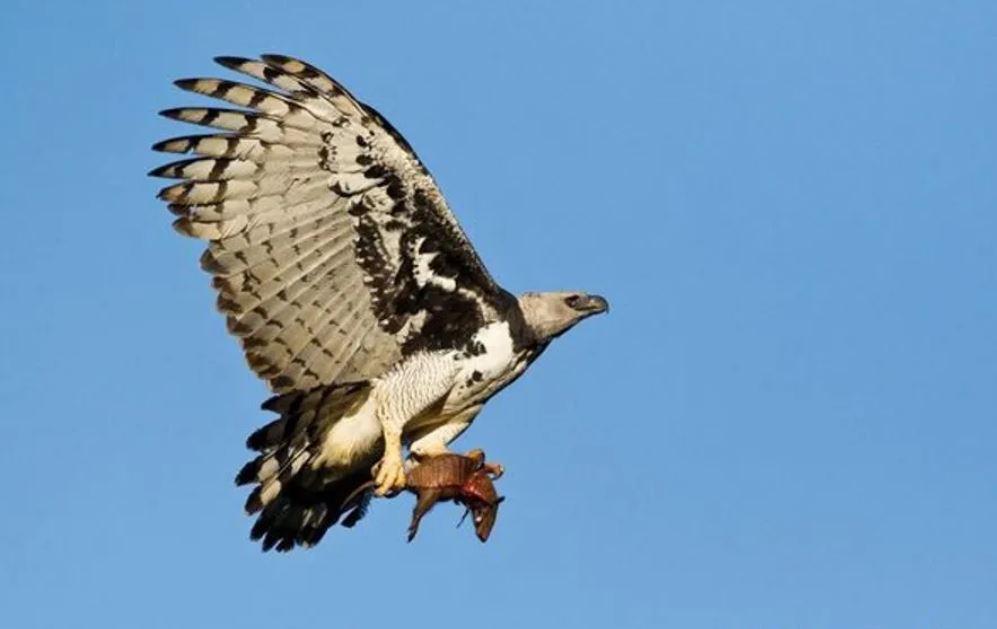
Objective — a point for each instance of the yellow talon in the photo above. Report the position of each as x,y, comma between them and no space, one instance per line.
389,476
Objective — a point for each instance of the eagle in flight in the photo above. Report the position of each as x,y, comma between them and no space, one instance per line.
352,288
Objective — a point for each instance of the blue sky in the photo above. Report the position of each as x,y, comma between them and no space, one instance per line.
786,421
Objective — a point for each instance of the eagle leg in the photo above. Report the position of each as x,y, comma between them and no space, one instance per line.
400,396
389,472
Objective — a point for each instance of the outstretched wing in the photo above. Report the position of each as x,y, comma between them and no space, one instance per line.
333,252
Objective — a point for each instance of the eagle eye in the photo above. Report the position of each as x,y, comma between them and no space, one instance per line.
572,301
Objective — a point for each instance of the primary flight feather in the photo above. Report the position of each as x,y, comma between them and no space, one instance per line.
351,286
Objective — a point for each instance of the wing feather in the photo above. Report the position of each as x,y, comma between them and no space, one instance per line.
317,212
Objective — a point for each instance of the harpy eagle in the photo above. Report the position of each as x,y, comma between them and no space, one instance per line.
351,287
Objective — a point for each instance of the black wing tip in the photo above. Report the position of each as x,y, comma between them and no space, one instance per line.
173,192
158,171
177,145
187,83
281,62
169,171
162,145
231,62
164,170
278,58
173,113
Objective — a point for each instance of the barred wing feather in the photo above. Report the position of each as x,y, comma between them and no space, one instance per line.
333,252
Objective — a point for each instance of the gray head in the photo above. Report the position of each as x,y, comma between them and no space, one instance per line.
552,314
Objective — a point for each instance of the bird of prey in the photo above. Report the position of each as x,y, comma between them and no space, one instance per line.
351,286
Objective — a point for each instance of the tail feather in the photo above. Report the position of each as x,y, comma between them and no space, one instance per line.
299,518
297,501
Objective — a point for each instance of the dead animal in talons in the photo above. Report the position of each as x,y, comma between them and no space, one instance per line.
465,479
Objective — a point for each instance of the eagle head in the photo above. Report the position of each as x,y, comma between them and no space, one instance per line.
553,313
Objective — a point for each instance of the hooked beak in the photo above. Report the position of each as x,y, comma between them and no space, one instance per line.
595,304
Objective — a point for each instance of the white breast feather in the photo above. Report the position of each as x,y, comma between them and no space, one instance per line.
496,364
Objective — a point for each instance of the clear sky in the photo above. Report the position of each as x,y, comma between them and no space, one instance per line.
786,421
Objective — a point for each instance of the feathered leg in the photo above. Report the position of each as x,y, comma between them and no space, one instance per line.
401,395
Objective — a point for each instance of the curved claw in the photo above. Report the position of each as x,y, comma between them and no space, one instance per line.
389,476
